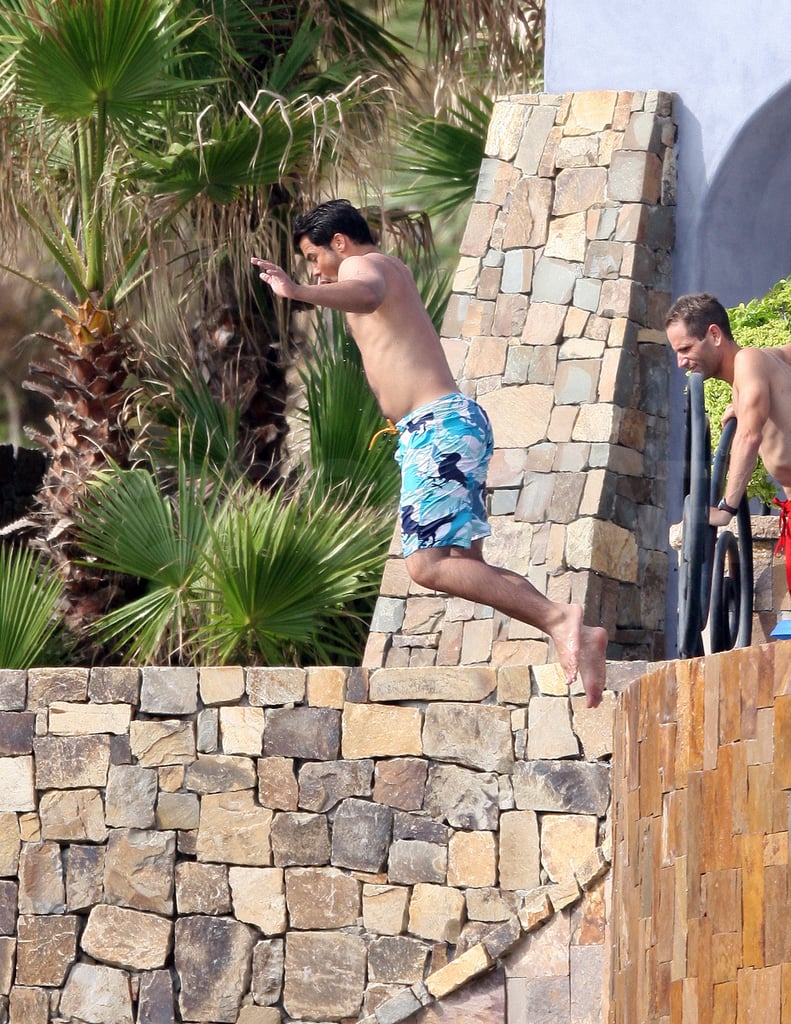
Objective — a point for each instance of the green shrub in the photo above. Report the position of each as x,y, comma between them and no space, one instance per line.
759,323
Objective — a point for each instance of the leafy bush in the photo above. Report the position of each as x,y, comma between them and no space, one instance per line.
759,323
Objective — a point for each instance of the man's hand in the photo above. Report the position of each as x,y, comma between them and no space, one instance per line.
719,517
277,279
729,414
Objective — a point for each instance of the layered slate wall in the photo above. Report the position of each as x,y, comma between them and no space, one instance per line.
556,326
701,881
281,845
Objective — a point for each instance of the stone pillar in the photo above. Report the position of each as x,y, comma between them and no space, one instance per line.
555,326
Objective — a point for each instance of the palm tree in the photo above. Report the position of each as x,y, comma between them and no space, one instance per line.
152,146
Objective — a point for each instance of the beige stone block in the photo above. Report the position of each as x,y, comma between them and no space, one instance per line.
491,904
178,811
202,888
519,415
577,189
566,238
478,231
10,843
7,963
567,841
17,791
602,547
69,719
595,727
528,219
634,177
505,129
168,742
485,358
325,975
30,827
73,815
127,938
580,151
455,350
467,275
170,778
41,884
561,426
590,111
46,949
259,898
459,971
535,910
476,645
514,684
595,485
432,684
436,912
234,829
242,730
373,730
479,318
276,686
519,850
221,684
598,422
93,987
550,680
563,894
326,686
47,685
544,324
259,1015
139,869
575,322
472,859
385,909
322,898
29,1005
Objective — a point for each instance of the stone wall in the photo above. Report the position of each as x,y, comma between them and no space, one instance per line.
269,845
556,326
701,882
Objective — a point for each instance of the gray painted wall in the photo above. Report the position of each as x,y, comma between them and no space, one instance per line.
729,64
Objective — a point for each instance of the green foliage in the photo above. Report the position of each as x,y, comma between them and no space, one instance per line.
29,619
761,322
256,578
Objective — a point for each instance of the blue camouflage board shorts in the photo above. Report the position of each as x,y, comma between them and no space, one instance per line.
444,448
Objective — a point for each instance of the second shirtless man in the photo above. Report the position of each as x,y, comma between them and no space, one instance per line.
445,439
699,333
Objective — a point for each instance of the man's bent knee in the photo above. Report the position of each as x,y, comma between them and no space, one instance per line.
424,566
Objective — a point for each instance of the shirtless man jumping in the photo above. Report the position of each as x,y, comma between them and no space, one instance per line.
445,440
699,333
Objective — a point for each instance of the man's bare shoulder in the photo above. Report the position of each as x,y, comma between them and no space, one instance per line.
754,361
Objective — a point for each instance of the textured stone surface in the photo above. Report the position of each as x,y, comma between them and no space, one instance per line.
325,975
46,949
97,995
127,938
213,963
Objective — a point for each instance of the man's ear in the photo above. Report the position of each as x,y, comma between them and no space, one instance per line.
338,242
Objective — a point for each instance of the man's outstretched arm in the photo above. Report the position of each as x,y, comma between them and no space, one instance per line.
360,287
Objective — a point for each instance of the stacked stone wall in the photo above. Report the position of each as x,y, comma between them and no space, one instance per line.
274,845
556,326
701,875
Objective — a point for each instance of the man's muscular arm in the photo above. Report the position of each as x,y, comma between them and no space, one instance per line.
751,393
360,287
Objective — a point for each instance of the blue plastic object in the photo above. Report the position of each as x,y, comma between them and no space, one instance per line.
782,630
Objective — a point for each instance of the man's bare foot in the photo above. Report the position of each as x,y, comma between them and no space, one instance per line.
567,638
581,650
593,654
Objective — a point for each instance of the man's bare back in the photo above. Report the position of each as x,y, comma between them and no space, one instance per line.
774,366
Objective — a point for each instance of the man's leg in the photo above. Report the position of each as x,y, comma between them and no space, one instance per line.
463,572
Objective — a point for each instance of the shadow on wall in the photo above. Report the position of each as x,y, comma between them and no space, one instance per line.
746,218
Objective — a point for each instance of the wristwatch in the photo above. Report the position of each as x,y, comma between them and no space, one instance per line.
725,507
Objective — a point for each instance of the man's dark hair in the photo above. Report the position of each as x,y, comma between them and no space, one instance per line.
328,219
697,313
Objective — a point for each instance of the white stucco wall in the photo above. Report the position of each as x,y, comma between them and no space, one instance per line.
724,60
729,64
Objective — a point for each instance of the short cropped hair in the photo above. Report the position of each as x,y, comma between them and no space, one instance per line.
697,312
324,221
